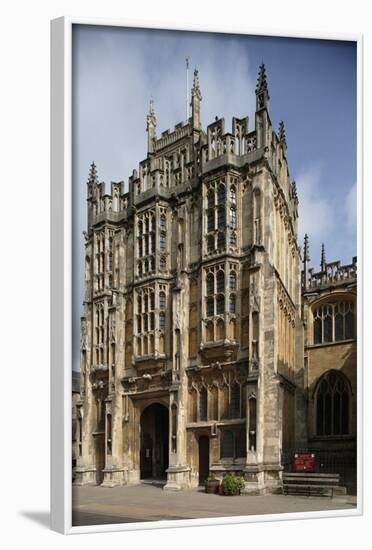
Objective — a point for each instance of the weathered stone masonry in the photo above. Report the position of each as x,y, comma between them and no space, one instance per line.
192,336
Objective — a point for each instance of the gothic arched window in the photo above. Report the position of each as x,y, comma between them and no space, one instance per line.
332,401
163,263
333,322
220,304
240,444
233,218
227,444
210,283
210,198
235,401
210,243
221,239
233,194
162,242
232,280
220,281
221,217
232,306
252,420
210,307
318,331
210,221
221,194
162,320
203,404
163,223
162,300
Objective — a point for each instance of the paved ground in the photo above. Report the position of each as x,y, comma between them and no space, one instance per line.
99,505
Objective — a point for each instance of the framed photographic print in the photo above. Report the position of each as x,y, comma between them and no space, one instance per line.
205,297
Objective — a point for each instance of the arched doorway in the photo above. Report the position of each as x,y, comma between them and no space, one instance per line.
154,450
203,458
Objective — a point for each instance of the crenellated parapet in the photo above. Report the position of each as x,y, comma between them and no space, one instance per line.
331,274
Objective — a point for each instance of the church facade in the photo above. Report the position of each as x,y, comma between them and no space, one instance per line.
197,346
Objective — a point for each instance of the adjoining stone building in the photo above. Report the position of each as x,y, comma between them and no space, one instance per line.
330,355
192,338
75,415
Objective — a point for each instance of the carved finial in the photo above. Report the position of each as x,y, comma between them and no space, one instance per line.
151,127
306,248
262,92
93,176
151,118
196,85
262,81
323,258
281,133
294,191
196,98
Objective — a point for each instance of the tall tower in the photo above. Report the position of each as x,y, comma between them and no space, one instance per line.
191,334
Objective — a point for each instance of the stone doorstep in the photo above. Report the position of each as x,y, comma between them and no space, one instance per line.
154,482
85,469
309,475
326,490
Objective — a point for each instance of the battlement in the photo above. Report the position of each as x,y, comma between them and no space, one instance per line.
333,273
168,137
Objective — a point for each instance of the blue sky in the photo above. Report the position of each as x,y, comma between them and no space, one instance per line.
312,86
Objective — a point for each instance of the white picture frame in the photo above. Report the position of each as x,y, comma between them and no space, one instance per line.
61,289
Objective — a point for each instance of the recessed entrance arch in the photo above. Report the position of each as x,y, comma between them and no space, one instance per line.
154,449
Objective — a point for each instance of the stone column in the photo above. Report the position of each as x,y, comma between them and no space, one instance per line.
178,473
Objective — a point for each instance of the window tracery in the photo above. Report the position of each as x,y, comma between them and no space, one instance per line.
333,322
332,401
203,404
220,299
145,320
99,333
221,202
146,234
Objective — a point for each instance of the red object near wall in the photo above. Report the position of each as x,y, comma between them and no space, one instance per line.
303,462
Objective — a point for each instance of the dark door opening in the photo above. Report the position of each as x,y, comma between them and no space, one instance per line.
203,458
154,442
99,444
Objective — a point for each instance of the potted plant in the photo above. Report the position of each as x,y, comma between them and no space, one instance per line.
211,484
232,484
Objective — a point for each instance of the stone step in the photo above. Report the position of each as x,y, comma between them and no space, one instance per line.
309,475
313,490
312,478
313,481
155,482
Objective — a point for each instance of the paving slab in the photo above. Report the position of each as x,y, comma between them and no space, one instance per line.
144,502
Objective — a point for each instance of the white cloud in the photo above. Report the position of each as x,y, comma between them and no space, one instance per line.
351,208
315,211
